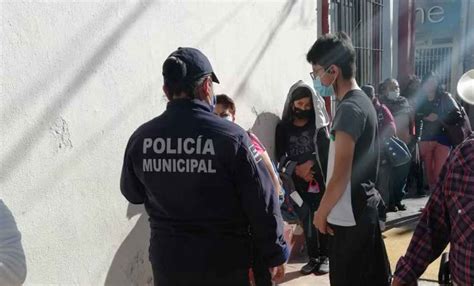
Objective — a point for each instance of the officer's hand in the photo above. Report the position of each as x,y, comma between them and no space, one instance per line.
277,272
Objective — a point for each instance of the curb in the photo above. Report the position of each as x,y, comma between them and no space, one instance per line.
402,221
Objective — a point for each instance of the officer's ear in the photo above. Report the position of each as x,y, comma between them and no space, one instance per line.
207,87
205,90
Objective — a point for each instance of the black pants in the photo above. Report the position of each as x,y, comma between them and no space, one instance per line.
383,185
399,182
186,277
415,175
392,183
316,242
261,273
358,255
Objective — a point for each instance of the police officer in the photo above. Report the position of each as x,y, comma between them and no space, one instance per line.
203,184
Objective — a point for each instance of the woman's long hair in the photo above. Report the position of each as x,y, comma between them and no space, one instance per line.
440,87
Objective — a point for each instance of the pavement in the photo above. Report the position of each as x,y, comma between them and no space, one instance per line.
413,212
397,234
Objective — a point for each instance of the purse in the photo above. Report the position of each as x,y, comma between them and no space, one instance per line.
396,152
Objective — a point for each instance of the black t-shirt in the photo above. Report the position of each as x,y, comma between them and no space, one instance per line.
356,116
296,142
300,144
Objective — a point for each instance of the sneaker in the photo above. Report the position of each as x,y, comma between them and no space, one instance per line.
310,267
324,265
392,209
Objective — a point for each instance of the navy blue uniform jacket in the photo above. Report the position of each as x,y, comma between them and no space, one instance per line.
204,186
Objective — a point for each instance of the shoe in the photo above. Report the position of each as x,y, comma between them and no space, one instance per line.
401,207
324,265
392,209
421,193
310,267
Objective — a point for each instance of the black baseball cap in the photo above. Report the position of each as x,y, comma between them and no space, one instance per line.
186,65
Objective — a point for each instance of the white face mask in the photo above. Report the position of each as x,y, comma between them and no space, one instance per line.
393,94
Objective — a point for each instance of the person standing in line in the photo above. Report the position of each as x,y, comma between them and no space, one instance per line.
349,208
225,109
203,185
387,129
437,107
402,113
399,107
302,137
415,176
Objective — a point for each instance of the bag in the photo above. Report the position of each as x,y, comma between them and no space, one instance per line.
396,152
285,170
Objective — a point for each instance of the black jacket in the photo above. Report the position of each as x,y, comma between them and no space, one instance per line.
203,185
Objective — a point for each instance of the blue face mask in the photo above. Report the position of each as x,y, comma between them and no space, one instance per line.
324,91
213,102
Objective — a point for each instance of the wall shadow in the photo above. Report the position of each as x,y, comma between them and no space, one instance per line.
264,127
290,276
228,18
12,256
131,265
22,147
64,60
283,16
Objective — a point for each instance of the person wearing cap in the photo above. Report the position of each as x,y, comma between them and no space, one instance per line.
203,185
448,217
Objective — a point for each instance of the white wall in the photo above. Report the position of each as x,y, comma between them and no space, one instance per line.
79,77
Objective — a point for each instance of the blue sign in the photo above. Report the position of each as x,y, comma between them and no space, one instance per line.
437,18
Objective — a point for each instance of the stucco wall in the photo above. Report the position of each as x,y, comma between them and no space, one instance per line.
78,77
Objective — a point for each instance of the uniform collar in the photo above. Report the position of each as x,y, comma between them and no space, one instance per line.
188,103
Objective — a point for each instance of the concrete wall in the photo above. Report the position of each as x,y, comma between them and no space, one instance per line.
78,78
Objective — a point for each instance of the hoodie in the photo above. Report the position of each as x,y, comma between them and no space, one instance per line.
320,136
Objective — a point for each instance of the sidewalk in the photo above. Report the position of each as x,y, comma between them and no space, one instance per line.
413,212
394,220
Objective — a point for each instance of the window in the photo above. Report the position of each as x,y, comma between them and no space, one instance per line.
362,21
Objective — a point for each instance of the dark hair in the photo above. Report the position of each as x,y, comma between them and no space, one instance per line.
226,101
301,92
369,90
389,80
440,87
410,90
174,72
334,49
413,78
